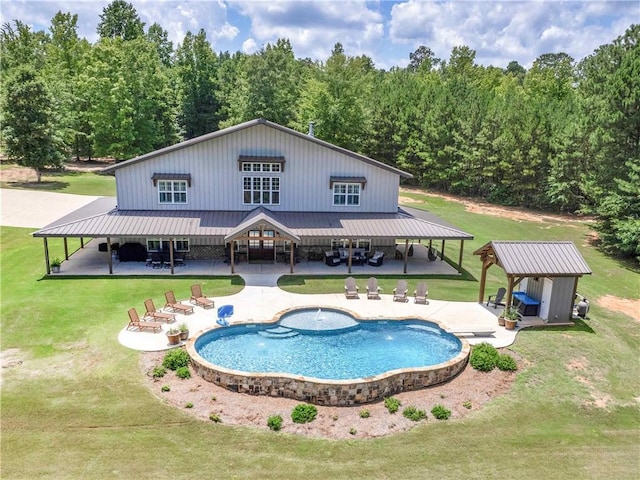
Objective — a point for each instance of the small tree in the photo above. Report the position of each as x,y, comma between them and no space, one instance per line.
28,133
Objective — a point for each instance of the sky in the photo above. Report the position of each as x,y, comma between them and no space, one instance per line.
385,31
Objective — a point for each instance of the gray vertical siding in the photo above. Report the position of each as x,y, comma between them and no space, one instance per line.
561,299
217,181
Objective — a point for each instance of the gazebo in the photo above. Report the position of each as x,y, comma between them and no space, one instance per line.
545,274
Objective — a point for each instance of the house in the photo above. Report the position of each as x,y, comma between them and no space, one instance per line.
545,275
256,192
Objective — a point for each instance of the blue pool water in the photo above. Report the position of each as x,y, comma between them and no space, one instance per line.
328,345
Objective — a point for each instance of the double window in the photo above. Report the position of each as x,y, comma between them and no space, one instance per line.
261,190
346,194
162,245
172,191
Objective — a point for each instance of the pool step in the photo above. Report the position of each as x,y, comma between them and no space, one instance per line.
278,332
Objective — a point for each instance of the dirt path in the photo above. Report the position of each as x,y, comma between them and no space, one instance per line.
17,174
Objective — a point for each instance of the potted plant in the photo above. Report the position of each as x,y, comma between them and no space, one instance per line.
173,336
501,318
184,331
511,318
55,265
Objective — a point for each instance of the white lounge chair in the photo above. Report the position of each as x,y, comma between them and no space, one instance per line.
420,294
373,290
400,292
350,288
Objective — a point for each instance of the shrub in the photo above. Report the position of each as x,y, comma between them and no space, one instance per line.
214,417
413,413
467,404
188,405
165,388
392,404
175,359
364,414
304,413
183,372
274,422
506,363
353,431
159,371
484,357
440,412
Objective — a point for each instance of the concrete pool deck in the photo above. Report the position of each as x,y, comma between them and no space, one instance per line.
261,300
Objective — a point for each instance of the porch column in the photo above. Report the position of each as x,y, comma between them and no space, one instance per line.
406,254
350,253
442,253
231,255
460,256
291,257
46,255
109,255
171,254
81,242
66,248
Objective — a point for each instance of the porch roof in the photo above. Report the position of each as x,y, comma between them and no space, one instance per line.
111,222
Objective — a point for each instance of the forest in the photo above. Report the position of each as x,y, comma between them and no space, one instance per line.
562,136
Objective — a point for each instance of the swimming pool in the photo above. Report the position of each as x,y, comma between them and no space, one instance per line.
328,356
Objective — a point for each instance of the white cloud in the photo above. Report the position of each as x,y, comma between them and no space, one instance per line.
506,30
314,27
249,46
499,31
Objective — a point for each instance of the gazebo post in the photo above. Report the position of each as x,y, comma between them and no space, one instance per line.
442,253
460,256
483,280
509,291
46,255
81,242
66,248
109,254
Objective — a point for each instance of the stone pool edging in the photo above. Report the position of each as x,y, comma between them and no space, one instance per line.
335,392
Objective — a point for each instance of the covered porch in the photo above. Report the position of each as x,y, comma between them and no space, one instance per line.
86,259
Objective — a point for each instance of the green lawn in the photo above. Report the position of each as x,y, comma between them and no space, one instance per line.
77,405
79,183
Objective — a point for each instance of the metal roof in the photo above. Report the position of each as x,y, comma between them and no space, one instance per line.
249,124
153,223
537,258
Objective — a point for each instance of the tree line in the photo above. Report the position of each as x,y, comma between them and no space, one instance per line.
562,136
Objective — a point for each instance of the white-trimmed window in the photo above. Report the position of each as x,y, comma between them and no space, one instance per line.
261,190
346,194
172,191
357,243
162,245
261,167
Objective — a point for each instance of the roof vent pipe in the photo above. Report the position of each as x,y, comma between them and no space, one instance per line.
311,134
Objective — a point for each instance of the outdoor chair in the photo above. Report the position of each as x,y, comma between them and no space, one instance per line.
134,321
350,288
373,290
420,294
199,299
400,292
497,298
155,314
332,259
175,306
377,259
